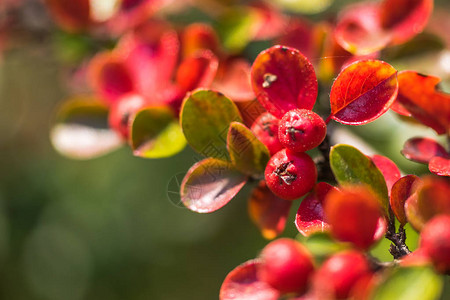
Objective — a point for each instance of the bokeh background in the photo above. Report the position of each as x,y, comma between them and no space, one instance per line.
106,228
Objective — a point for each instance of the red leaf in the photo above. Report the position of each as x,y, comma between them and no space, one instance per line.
354,215
270,22
268,211
199,36
440,166
401,191
433,197
417,93
197,71
388,168
310,215
423,149
300,34
210,184
405,18
243,284
72,15
284,79
359,31
363,91
233,79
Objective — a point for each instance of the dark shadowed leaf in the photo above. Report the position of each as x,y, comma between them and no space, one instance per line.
401,191
363,91
310,216
268,211
205,118
210,184
440,166
284,79
247,153
350,166
81,129
410,283
242,284
419,95
155,133
423,149
388,168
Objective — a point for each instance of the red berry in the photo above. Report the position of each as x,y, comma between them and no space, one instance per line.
122,110
286,265
265,129
435,241
290,175
339,274
301,130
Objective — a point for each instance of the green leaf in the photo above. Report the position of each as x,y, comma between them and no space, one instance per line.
247,153
205,118
81,129
210,184
321,245
412,283
235,28
350,166
155,133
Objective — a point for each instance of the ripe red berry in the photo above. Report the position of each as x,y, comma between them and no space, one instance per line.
286,265
301,130
265,129
435,241
339,274
290,175
122,110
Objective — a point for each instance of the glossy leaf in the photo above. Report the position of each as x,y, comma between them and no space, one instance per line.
268,211
401,191
310,216
359,30
353,214
197,70
284,79
410,283
388,168
350,166
440,166
155,133
242,284
205,118
363,91
418,94
81,129
433,197
210,184
423,149
405,18
247,153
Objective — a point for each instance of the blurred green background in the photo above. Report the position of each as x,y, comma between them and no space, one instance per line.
106,228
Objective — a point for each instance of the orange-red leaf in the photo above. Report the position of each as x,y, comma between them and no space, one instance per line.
440,166
423,149
401,191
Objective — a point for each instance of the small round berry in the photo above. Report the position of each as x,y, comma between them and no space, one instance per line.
339,274
265,129
122,110
290,175
286,265
435,241
301,130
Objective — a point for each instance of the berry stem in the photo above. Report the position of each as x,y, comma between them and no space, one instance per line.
398,247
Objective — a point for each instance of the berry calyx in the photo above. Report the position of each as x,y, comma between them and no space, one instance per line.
339,274
435,242
290,175
301,130
286,265
265,129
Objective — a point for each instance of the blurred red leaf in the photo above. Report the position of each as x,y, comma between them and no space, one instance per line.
405,18
310,216
401,191
354,214
197,70
423,149
413,214
440,166
363,91
233,79
284,79
72,15
418,94
434,197
271,22
300,34
242,284
199,36
268,211
388,168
